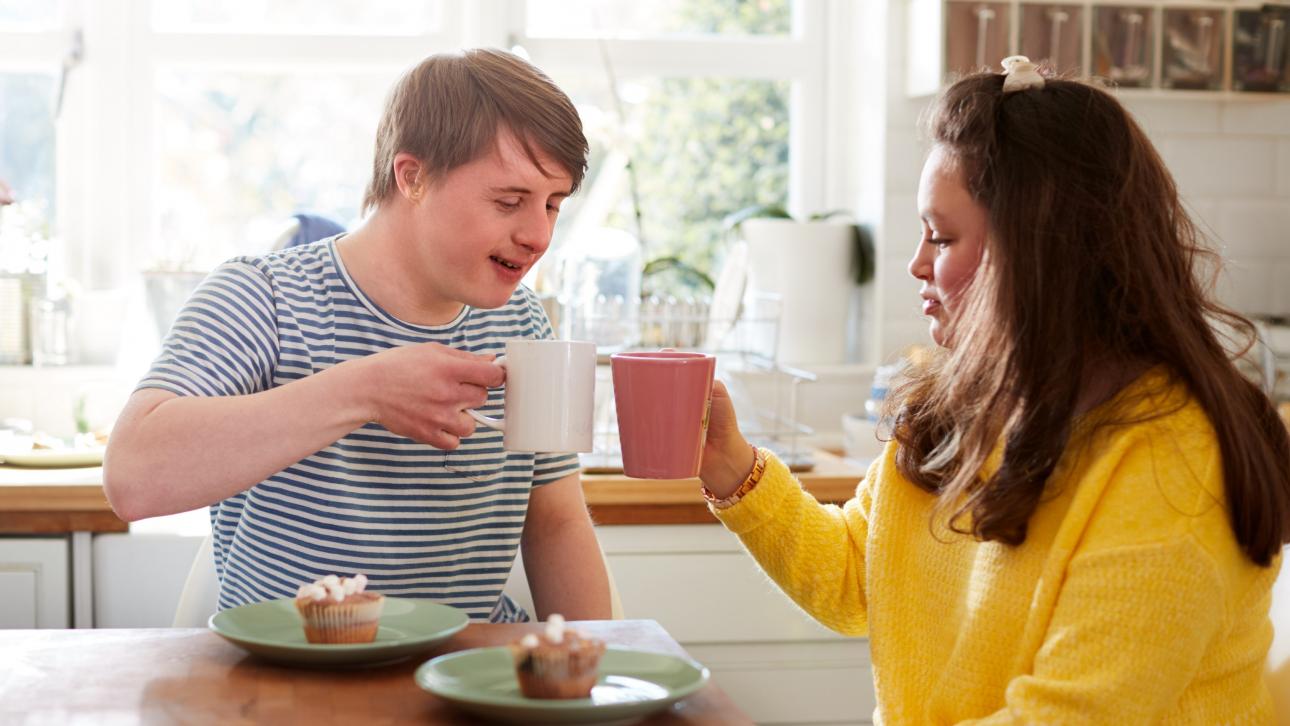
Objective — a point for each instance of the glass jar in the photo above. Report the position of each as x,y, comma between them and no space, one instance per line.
600,289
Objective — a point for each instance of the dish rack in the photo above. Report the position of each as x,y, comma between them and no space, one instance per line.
766,393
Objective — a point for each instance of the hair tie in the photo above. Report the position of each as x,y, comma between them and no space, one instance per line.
1019,74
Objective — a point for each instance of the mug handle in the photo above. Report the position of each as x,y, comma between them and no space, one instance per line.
489,421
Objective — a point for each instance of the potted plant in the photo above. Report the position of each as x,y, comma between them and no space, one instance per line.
815,266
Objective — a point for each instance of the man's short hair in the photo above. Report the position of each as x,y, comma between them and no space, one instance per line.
449,108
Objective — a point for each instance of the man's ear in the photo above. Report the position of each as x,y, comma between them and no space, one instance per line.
409,175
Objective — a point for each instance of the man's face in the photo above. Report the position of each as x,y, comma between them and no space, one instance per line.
483,225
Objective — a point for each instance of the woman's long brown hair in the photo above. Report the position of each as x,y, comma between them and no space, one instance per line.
1091,259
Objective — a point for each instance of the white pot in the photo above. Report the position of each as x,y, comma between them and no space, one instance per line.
808,264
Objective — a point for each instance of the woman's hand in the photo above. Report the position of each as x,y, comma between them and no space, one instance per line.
727,455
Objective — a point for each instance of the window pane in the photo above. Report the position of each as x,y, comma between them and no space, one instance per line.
28,15
395,17
27,137
632,18
698,150
240,153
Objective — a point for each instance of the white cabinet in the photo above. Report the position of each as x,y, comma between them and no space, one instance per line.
34,585
774,661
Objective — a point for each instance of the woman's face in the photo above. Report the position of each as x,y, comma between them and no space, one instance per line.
953,240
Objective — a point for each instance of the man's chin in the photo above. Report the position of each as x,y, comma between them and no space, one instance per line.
489,300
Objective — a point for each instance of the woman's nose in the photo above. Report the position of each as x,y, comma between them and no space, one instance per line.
920,265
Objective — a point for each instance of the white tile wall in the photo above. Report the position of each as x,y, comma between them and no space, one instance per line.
1256,228
1283,167
1163,116
904,158
1236,178
1204,212
1246,285
1220,166
1256,115
1281,290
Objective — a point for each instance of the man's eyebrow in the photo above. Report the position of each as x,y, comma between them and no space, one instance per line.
526,190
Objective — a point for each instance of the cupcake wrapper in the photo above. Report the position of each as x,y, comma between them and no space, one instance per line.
547,672
563,664
351,621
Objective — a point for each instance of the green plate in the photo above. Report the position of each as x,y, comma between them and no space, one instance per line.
633,684
274,631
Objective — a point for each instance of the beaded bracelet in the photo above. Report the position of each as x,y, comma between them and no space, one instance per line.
754,476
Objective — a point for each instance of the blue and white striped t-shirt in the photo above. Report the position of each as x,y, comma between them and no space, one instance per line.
418,521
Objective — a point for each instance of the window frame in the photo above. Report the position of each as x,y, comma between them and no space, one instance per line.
800,58
107,166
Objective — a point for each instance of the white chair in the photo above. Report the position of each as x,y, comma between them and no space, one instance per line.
200,596
1279,655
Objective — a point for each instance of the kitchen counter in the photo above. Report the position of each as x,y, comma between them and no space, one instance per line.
55,501
60,501
71,503
618,499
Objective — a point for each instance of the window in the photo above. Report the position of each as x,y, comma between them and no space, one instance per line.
192,130
27,137
238,153
28,87
711,108
631,18
298,17
698,149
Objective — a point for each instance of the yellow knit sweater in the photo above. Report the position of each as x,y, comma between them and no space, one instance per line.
1128,603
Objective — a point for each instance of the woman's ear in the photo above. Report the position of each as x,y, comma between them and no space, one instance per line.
409,176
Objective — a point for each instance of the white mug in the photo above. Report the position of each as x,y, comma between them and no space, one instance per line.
550,394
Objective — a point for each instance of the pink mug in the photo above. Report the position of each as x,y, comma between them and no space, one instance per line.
663,400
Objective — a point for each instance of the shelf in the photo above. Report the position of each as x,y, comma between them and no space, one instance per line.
1106,39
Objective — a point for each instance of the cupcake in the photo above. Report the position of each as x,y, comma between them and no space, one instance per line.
559,663
339,610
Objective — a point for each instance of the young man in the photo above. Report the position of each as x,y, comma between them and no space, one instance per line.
314,398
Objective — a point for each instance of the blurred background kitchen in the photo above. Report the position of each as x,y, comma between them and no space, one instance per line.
751,192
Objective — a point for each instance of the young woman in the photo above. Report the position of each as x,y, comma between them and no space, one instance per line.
1081,512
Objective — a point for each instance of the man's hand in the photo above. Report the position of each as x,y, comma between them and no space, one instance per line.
422,391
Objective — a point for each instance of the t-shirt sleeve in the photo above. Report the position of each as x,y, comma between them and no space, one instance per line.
547,467
224,341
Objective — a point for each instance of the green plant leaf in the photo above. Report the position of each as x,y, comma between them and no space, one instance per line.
757,211
661,265
826,216
863,260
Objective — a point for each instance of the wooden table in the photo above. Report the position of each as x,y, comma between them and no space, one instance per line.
192,676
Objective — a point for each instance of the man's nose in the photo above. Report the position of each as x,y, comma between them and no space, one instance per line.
534,233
